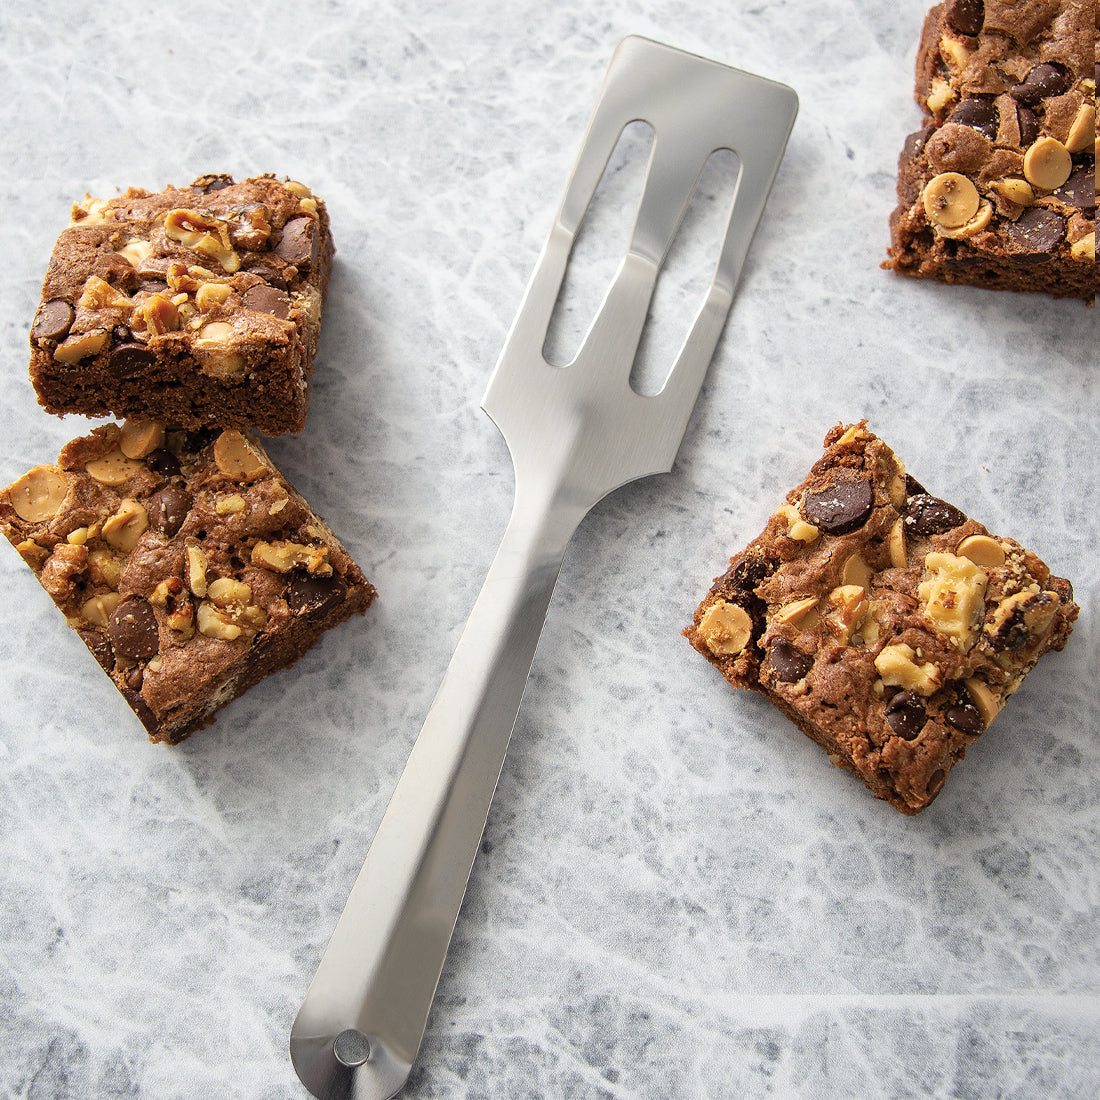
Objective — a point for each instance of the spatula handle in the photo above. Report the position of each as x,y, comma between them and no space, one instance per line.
363,1017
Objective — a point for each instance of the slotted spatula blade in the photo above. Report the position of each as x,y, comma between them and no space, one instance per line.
575,434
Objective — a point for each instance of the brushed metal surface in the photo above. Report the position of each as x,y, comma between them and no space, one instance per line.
575,433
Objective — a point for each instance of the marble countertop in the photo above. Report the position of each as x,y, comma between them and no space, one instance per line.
677,895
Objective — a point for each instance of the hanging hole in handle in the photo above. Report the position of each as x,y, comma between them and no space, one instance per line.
352,1048
687,272
600,244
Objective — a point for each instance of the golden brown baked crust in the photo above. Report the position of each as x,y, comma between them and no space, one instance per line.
185,561
886,624
193,306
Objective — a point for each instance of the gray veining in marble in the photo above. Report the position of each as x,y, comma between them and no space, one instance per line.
677,895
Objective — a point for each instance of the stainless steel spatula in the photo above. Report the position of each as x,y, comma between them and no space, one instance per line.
575,433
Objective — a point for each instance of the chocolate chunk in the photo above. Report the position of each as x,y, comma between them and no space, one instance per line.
142,709
52,321
1044,80
266,271
217,182
168,509
928,515
935,784
1024,622
100,646
905,715
1028,122
1079,190
966,16
1037,230
306,595
790,664
841,506
964,716
979,114
130,358
268,299
133,629
298,244
914,143
163,462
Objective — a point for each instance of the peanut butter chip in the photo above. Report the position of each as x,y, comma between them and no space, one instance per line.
114,468
950,200
855,571
989,706
726,628
140,438
235,456
1082,132
1047,163
982,550
38,494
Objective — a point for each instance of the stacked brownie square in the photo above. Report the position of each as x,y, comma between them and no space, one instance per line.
186,562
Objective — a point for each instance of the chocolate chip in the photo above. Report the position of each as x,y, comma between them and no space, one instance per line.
935,784
268,299
168,509
214,182
163,462
100,646
1044,80
928,515
979,114
130,358
964,716
966,16
905,715
1037,231
133,629
1028,122
789,663
298,244
52,321
1079,190
841,506
307,595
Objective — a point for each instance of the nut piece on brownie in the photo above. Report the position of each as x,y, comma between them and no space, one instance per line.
184,560
881,620
194,306
997,188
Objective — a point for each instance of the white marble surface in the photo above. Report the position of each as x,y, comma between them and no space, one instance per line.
677,896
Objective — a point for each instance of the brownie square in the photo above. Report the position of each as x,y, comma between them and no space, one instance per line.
881,620
184,560
193,306
997,188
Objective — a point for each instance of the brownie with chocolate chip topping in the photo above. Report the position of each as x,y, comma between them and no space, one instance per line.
194,306
881,620
185,561
997,189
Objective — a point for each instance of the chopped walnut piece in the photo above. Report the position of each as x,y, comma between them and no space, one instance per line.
285,556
